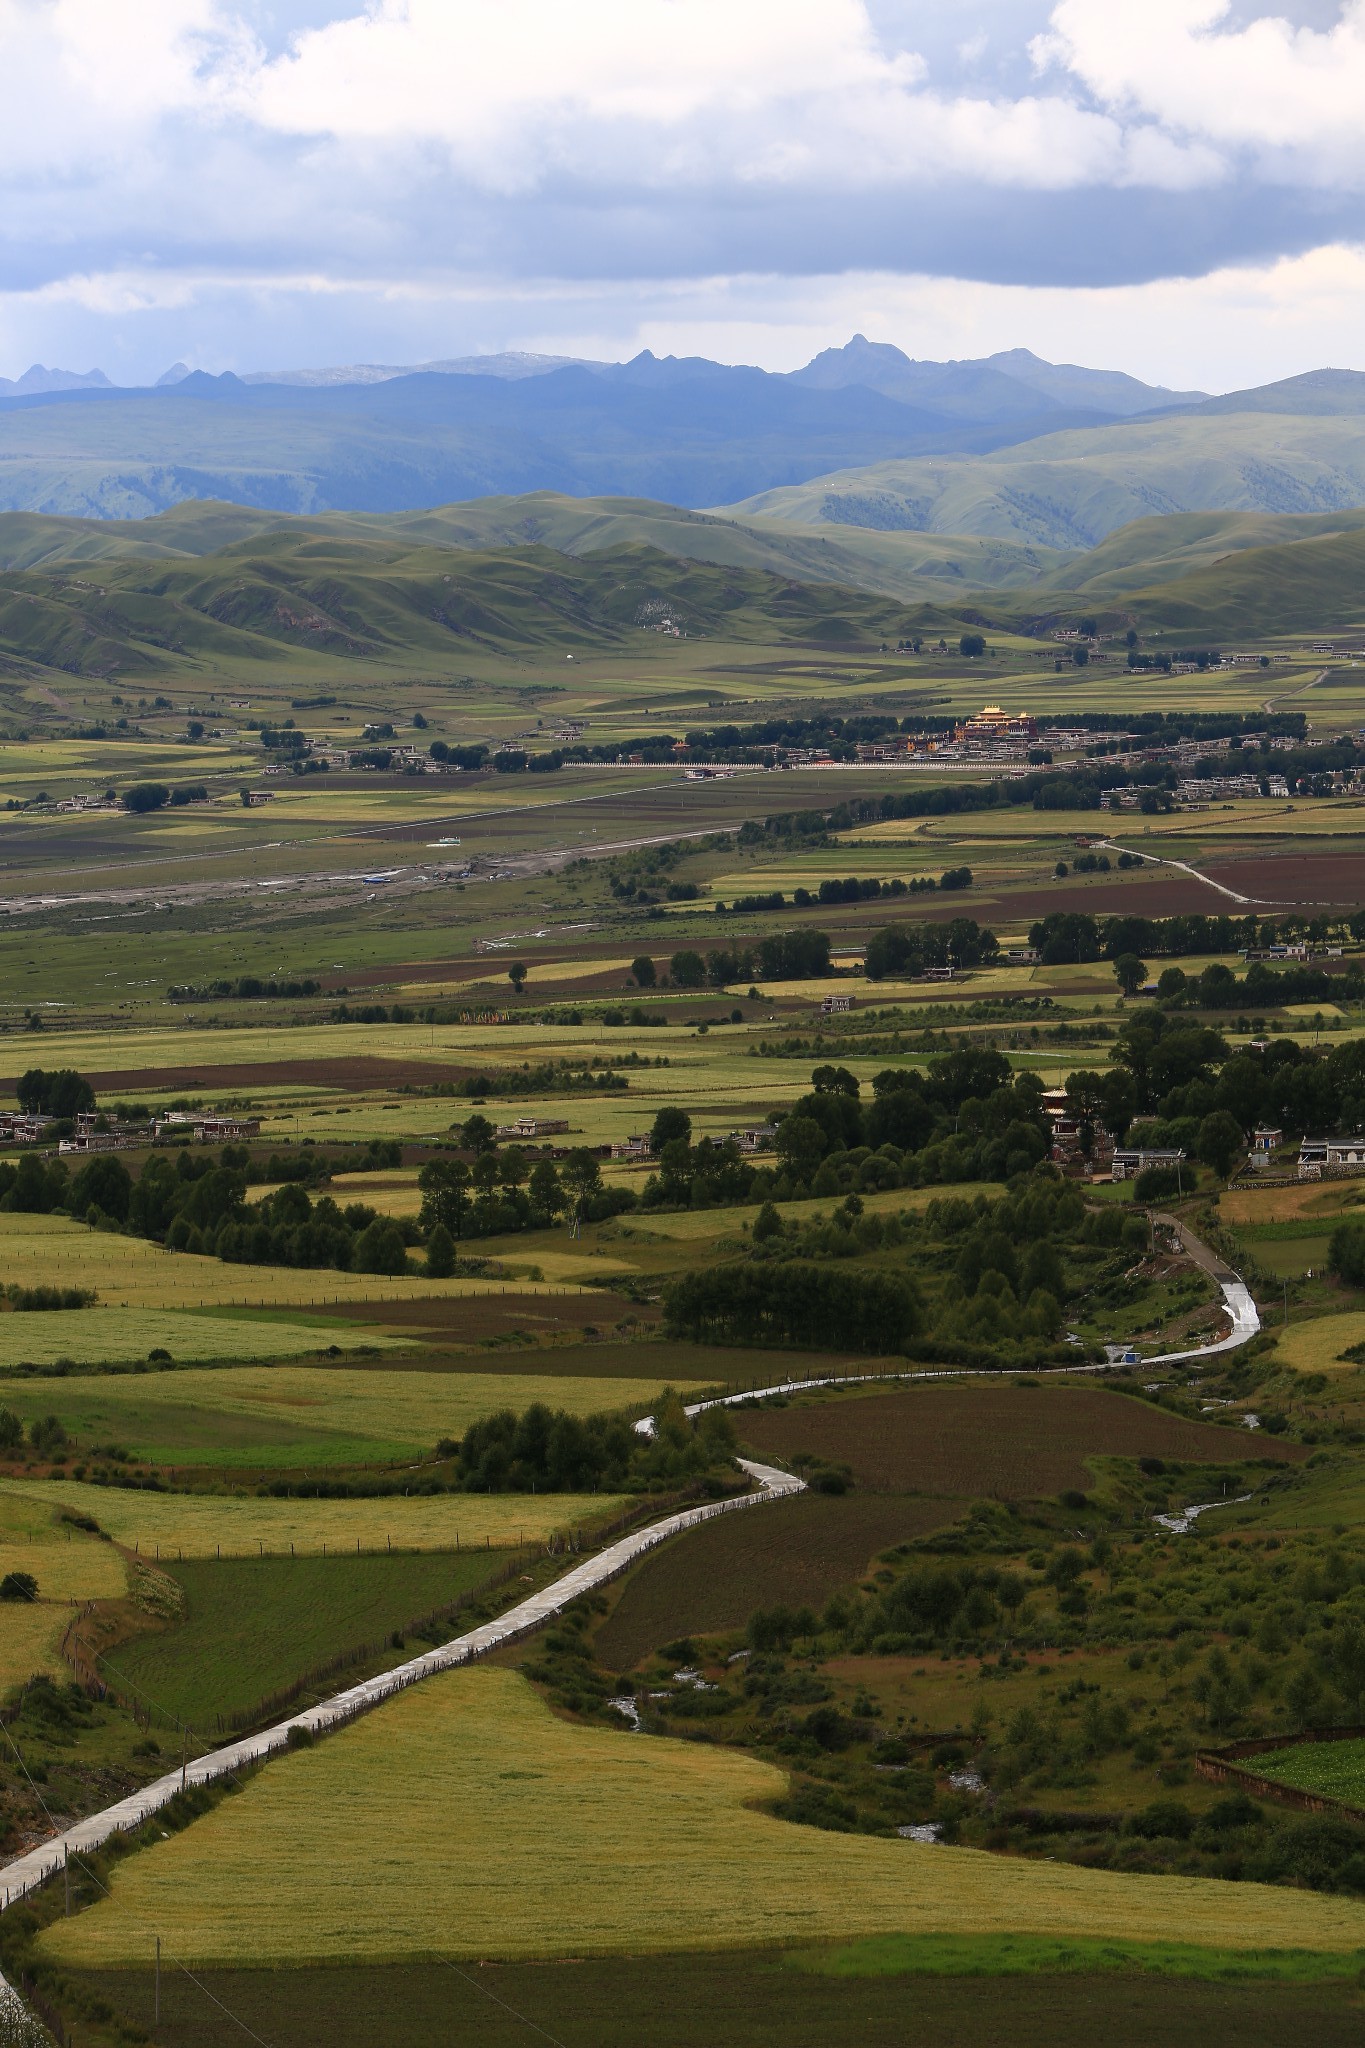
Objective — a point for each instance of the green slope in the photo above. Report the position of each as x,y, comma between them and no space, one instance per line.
1071,490
906,565
1305,586
311,594
1158,550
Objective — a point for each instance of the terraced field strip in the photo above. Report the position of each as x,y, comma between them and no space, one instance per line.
190,1525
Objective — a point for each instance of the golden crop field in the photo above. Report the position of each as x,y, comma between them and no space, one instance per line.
1318,1346
485,1827
258,1414
70,1568
209,1525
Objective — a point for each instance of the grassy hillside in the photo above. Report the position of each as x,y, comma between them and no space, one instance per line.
358,596
912,566
1159,550
1306,585
1072,490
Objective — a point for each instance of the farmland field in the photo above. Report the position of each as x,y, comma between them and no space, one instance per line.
251,1626
1335,1769
242,1525
795,1553
551,1839
289,1415
681,2001
1006,1441
117,1336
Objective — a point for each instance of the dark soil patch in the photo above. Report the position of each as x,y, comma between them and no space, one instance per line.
1311,878
474,1318
355,1075
699,2001
1003,1442
793,1553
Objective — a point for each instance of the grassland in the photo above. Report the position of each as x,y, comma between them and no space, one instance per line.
288,1416
113,1336
180,1525
509,1834
1320,1345
253,1626
1334,1769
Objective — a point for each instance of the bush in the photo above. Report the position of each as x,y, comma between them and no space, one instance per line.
11,1430
47,1436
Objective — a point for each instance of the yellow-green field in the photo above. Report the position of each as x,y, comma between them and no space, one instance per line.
484,1827
1318,1346
291,1415
132,1272
114,1336
70,1568
207,1525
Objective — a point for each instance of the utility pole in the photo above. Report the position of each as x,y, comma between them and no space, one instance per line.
156,2002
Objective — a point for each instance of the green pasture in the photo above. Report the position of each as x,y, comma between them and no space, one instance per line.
252,1626
125,1336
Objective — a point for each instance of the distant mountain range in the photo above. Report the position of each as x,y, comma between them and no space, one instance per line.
375,439
865,465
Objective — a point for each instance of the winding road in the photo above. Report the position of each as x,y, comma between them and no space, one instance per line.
26,1873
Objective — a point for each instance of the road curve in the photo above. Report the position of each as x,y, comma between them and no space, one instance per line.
27,1872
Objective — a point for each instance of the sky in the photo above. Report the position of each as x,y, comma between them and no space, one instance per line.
1175,188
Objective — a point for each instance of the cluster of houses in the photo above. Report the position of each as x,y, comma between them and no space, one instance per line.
207,1128
754,1138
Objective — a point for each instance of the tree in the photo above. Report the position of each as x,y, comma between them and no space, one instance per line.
103,1183
544,1192
516,974
1130,973
146,796
18,1586
63,1092
582,1176
11,1430
1171,985
477,1133
440,1253
971,646
767,1224
1080,654
1219,1141
800,1145
687,970
643,971
379,1249
669,1124
444,1186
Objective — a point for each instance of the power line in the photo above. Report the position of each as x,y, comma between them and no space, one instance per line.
534,2025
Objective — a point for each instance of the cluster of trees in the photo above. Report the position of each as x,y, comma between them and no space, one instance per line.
789,1302
1064,937
503,1192
784,956
247,988
61,1092
550,1451
154,796
906,950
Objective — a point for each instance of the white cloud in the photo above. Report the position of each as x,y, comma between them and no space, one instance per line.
1289,96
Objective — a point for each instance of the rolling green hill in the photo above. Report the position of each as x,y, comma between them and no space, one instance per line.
1299,586
1159,550
911,566
1070,491
311,594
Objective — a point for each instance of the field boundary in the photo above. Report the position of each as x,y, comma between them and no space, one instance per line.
1224,1767
28,1872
